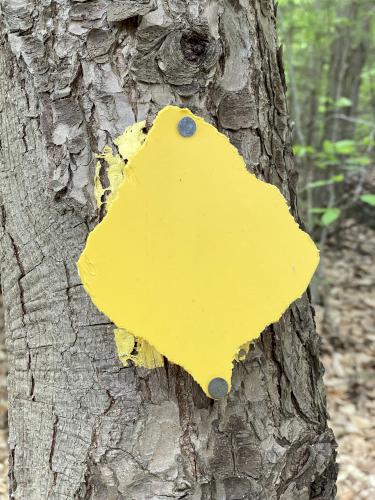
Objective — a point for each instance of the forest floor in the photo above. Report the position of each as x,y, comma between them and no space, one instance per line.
347,326
346,322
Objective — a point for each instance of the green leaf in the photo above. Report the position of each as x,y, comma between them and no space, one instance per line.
328,147
368,198
300,150
368,141
323,99
317,210
330,215
344,147
359,161
343,102
325,182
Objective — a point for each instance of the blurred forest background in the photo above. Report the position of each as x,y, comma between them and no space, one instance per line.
329,57
330,64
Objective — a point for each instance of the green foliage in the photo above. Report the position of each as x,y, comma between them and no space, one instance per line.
343,102
300,150
329,55
328,215
325,182
368,198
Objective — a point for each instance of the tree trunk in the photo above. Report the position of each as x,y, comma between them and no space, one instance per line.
73,75
349,52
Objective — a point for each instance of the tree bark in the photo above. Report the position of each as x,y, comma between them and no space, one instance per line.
73,75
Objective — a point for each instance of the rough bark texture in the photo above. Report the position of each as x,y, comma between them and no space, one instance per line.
73,75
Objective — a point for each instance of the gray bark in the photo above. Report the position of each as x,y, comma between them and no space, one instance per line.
73,75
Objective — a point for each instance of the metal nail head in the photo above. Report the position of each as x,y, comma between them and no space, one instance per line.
187,126
218,388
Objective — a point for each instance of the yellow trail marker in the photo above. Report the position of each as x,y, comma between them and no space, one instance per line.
196,255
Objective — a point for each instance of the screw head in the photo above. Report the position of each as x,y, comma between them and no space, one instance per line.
218,388
187,126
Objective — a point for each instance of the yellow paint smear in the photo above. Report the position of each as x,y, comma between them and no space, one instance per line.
128,144
195,255
145,356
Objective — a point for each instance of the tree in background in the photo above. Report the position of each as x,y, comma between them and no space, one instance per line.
73,75
330,70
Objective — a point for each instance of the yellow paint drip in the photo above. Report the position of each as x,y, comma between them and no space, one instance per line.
130,140
196,255
128,144
242,352
145,354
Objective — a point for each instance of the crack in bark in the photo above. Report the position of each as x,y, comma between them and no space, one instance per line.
52,451
21,275
183,393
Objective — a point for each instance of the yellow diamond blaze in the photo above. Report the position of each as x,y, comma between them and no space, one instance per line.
196,255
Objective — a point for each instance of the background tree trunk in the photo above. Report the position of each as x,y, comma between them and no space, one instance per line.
348,56
73,75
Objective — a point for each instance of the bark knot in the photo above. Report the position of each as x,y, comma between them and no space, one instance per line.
194,46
